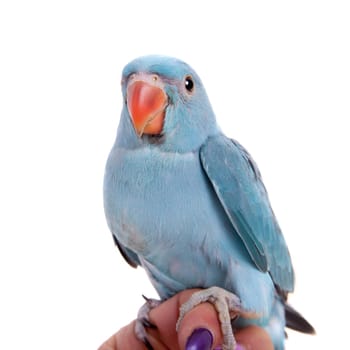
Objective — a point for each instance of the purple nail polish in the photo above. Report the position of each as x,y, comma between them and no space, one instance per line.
200,339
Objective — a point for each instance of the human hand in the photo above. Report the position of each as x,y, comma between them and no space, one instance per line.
200,325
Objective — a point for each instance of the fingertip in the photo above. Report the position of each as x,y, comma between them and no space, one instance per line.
200,325
125,338
109,344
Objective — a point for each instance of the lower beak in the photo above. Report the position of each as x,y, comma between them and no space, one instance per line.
146,105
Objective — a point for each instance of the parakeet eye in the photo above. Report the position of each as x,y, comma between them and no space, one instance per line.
189,84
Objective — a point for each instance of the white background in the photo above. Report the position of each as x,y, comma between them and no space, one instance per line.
278,77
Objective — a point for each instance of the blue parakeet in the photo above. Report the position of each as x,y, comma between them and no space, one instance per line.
188,204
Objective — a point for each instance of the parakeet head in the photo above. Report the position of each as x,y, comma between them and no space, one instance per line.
165,104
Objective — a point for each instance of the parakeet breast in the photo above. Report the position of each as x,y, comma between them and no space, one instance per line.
159,197
162,207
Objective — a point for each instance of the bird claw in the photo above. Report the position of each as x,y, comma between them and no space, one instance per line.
227,305
143,321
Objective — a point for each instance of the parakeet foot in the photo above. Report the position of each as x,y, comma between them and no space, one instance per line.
143,321
227,305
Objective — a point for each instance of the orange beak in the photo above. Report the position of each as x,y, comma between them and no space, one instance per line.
146,105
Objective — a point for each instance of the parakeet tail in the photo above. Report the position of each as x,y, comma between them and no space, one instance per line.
296,321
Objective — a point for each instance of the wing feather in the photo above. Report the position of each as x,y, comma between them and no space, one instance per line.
130,257
238,184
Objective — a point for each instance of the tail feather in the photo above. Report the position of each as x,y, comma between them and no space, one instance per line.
296,321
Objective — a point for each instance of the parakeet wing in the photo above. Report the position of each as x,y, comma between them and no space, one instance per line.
130,257
237,182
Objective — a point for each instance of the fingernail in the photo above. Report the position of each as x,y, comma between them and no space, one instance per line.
200,339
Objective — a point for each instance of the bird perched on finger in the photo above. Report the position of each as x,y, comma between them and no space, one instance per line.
188,205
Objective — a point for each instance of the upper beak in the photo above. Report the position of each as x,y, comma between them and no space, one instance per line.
146,104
